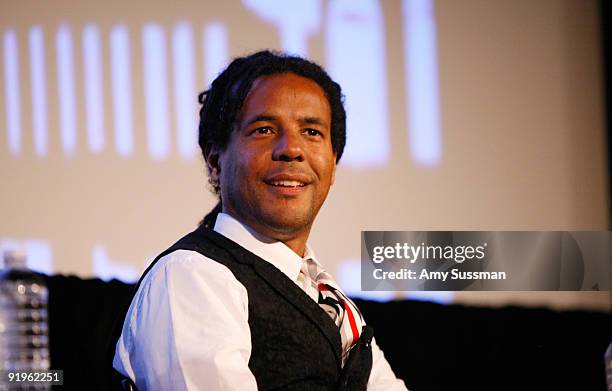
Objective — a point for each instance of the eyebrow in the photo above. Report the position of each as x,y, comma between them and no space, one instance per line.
271,118
261,118
313,121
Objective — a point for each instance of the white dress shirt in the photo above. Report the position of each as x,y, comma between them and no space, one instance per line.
187,327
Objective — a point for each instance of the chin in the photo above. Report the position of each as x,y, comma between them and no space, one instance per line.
282,221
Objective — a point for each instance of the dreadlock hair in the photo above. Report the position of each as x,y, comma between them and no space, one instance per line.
225,98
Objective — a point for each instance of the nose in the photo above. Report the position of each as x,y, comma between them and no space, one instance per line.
288,147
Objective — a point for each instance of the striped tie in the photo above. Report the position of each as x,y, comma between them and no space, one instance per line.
320,286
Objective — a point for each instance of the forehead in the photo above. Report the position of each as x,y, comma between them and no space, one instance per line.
275,94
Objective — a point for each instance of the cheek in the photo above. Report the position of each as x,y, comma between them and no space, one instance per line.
242,168
326,167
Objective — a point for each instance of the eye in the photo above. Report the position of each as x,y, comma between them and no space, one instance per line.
313,132
263,130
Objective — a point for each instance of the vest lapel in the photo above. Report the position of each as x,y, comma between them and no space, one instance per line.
285,288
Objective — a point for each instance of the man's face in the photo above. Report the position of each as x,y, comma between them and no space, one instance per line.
279,164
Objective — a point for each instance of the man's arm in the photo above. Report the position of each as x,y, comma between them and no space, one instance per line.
187,328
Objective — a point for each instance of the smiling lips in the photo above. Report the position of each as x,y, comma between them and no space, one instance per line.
288,181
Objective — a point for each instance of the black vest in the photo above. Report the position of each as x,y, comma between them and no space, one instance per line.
295,344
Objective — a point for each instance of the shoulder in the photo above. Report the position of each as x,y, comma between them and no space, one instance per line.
184,281
180,262
186,273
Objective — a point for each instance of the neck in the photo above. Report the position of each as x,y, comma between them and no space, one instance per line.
295,240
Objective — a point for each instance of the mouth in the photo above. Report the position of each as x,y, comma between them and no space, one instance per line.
289,184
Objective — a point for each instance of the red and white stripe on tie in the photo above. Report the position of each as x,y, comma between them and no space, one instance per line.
320,285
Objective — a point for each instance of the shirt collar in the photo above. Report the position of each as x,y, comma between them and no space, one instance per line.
272,251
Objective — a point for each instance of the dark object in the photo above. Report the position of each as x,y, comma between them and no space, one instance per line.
453,347
81,314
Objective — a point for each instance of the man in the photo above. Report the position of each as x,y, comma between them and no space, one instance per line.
246,305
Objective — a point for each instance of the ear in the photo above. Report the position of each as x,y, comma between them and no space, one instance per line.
212,157
333,176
